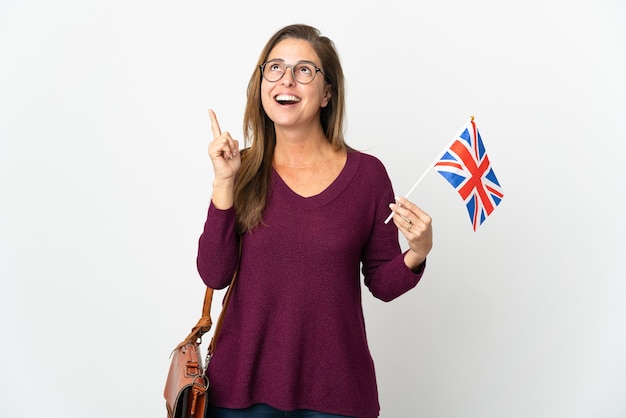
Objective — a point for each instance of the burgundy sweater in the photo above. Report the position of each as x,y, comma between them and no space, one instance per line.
294,334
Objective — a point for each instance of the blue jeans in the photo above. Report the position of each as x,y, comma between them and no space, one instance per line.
265,411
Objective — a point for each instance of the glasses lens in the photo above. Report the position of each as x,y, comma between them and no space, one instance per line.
273,70
304,73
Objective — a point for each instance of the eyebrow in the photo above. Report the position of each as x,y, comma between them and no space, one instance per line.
297,62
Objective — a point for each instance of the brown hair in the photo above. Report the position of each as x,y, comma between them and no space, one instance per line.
253,179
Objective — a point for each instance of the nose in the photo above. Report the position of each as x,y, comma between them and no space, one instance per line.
288,78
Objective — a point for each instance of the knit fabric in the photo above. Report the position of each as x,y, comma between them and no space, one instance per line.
294,335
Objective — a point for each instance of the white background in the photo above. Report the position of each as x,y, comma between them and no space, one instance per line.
104,185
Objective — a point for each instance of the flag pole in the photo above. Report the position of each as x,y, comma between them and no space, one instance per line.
432,165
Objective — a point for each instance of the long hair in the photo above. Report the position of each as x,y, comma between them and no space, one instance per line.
253,180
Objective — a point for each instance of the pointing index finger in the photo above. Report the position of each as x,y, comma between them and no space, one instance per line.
215,126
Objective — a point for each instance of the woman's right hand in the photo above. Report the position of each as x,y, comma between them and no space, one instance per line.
224,153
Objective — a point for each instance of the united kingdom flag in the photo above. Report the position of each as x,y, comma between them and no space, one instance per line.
466,166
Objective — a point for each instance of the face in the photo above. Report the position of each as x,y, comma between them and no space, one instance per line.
287,102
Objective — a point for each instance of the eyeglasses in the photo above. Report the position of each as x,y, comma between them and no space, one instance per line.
303,71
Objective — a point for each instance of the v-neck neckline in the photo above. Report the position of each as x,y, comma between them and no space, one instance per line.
329,193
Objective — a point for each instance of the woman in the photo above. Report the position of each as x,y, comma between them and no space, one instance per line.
309,212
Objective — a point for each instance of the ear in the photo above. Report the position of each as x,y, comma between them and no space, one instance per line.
327,95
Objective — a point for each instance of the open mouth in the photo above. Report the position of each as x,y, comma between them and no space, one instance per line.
286,99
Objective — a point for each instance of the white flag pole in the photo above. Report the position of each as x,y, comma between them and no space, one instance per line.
432,164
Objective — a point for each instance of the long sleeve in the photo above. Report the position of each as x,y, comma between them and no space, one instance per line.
218,248
392,279
384,271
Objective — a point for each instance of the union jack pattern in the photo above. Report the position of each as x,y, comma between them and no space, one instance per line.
466,166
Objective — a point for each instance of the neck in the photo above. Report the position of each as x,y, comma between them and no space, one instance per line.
302,152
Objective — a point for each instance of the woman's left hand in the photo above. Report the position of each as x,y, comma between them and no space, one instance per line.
416,226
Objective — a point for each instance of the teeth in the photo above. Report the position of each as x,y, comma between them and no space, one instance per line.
287,98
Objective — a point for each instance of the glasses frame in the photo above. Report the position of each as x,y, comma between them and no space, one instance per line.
292,66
